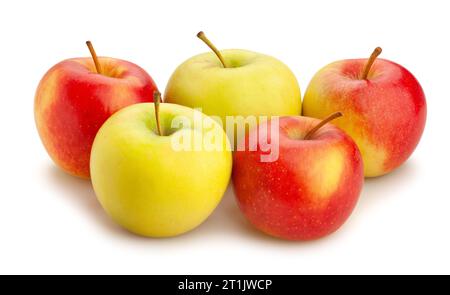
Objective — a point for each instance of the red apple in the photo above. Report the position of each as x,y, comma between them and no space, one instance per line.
310,190
383,104
76,96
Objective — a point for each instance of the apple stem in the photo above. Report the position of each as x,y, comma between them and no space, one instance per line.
323,122
203,37
94,57
377,51
156,101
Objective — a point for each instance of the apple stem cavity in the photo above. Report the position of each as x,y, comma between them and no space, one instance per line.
203,37
157,101
377,51
323,122
94,57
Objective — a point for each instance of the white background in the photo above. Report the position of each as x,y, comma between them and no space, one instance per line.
51,222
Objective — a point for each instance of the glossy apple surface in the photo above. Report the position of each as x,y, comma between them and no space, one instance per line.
146,185
385,114
310,191
252,84
72,101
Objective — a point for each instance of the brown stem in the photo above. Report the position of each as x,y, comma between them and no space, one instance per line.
156,101
94,57
203,37
370,62
323,122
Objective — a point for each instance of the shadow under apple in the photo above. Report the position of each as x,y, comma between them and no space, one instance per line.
81,194
384,186
227,220
377,190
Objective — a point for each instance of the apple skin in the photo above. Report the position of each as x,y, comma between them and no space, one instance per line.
253,84
72,101
385,114
310,191
148,187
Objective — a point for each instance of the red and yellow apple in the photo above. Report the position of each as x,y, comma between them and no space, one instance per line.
383,104
310,190
76,96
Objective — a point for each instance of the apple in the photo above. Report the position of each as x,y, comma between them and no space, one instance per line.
234,83
76,96
383,103
310,190
145,182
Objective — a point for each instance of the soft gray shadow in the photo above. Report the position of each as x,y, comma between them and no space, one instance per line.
228,220
225,220
378,189
80,193
387,185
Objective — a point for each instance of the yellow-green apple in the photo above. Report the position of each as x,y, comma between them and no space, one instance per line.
310,190
146,182
234,83
76,96
383,104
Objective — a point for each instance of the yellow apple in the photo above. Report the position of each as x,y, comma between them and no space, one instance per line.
145,182
235,83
